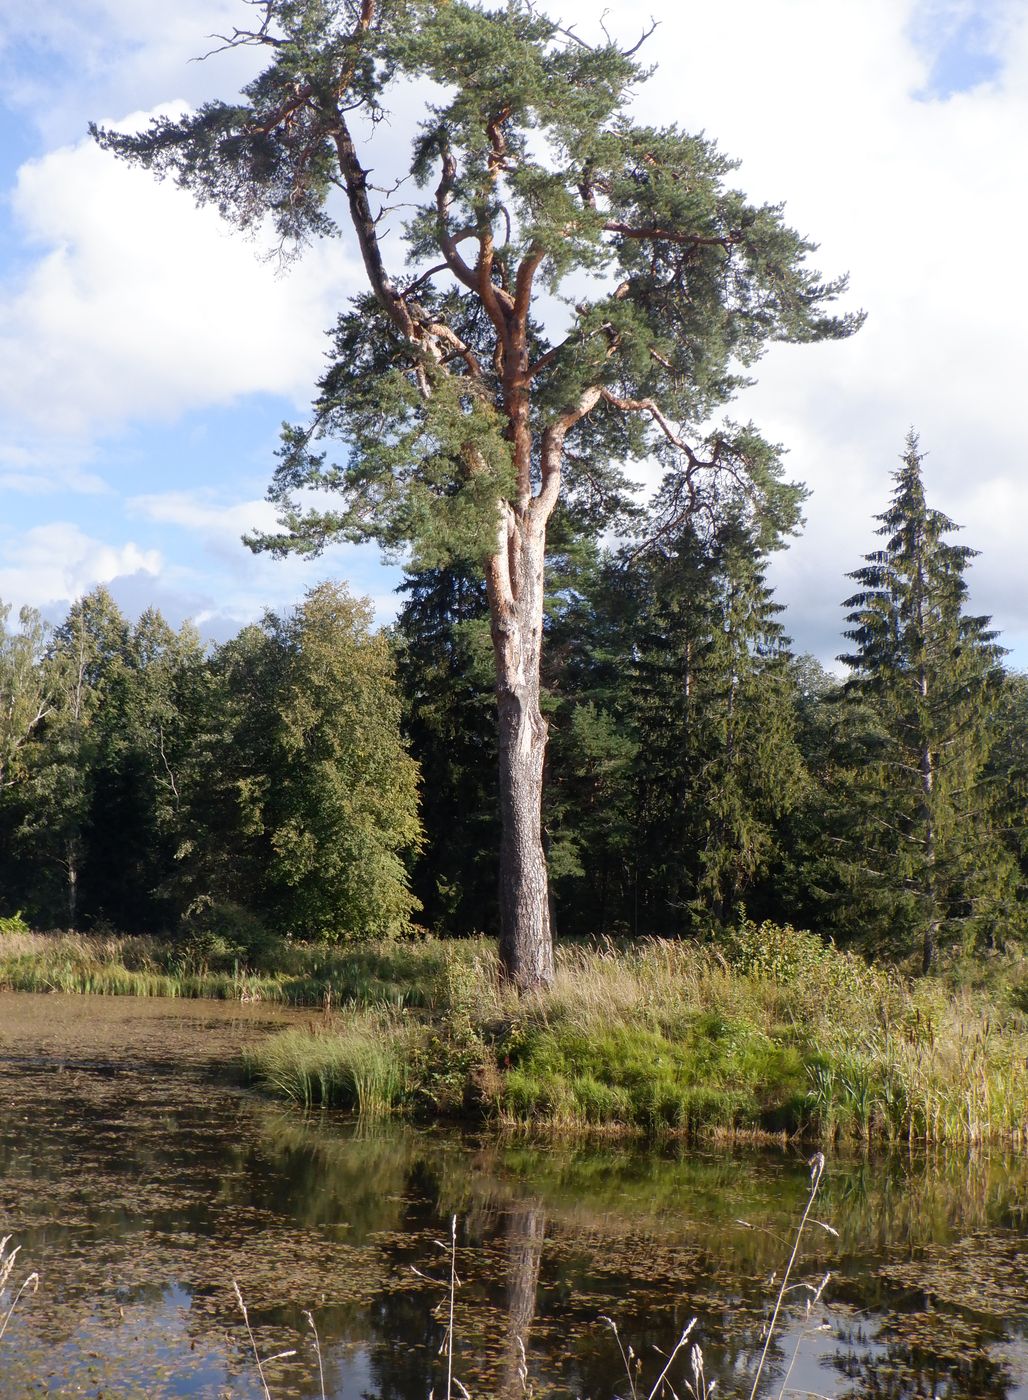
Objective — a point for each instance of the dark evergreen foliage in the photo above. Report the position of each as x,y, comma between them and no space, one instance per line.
444,668
929,673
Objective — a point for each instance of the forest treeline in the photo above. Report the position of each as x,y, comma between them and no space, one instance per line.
315,778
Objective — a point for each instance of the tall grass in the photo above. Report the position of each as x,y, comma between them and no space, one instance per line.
375,973
362,1066
770,1033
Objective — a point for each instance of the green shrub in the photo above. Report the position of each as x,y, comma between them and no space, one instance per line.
220,935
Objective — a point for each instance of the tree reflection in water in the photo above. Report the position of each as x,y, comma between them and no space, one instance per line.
139,1189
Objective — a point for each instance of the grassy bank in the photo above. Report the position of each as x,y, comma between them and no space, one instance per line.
366,974
770,1032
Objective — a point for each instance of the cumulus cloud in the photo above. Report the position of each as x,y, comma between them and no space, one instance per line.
55,563
139,305
66,62
892,128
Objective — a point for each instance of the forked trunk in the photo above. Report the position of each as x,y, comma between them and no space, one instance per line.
526,939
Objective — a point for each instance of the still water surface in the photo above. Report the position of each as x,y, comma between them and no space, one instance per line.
140,1182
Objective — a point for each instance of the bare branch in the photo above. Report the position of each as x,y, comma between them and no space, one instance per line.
575,38
648,406
630,53
240,37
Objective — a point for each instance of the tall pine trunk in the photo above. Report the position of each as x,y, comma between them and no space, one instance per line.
929,885
516,615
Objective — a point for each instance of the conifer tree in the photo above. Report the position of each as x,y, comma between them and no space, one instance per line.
589,807
465,410
718,765
931,674
444,672
85,659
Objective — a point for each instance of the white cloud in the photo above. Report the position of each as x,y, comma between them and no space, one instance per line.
56,563
245,583
94,56
141,305
200,511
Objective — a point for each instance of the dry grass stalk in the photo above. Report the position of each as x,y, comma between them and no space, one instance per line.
29,1284
317,1351
279,1356
817,1170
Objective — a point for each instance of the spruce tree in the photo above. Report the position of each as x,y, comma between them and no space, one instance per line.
444,673
931,674
718,764
589,808
466,410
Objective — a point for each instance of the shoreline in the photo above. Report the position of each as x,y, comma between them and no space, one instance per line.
776,1039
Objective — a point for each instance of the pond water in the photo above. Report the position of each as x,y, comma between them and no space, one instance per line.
140,1182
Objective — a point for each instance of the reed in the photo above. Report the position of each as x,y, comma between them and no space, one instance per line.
8,1259
767,1031
362,1066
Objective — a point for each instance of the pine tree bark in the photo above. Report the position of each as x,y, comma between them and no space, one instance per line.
526,936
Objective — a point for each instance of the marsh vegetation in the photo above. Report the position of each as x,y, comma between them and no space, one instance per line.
139,1185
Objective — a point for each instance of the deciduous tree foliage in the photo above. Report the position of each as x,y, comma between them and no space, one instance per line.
572,290
25,698
340,804
307,804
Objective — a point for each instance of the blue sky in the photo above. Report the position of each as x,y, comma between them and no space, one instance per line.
147,356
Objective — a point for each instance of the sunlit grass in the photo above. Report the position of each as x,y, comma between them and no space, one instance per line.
375,973
770,1031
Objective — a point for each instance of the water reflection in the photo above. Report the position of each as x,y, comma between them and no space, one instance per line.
141,1186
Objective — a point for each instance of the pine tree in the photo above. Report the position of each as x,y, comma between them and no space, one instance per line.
464,418
932,677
